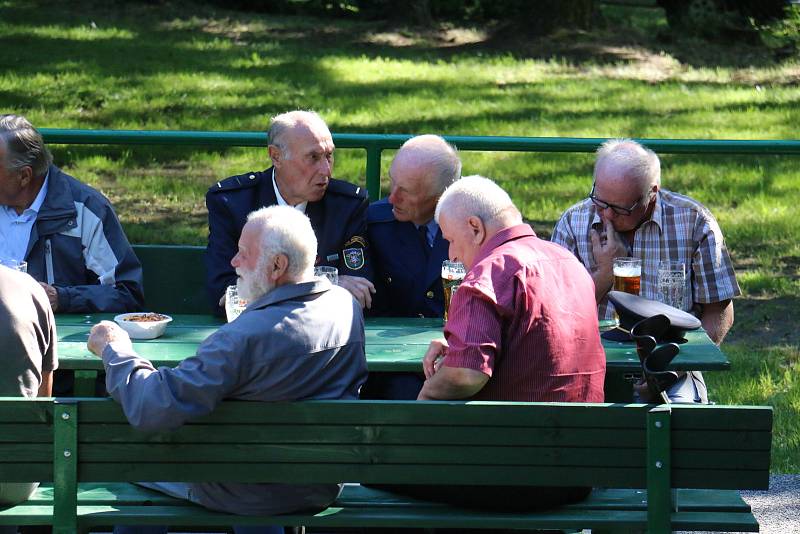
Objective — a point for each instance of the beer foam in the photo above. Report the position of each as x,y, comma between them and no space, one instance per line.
627,271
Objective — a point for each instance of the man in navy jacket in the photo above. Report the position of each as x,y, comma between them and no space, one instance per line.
407,247
406,244
66,231
301,149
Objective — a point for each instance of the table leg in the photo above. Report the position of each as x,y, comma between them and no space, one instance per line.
619,386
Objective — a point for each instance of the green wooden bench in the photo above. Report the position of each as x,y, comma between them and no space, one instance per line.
174,278
88,450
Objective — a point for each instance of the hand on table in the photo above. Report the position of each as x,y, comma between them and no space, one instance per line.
432,360
361,289
52,295
104,333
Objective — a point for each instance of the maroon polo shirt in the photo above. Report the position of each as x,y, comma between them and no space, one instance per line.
526,316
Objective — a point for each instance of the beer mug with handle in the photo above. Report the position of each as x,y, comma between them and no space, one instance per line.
453,273
627,275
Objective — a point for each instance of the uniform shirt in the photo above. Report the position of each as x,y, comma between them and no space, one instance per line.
680,229
525,316
27,334
297,342
408,273
339,221
15,229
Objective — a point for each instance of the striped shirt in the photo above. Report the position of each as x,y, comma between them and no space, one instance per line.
680,229
525,316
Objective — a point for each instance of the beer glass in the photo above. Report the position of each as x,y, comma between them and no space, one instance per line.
627,275
672,283
14,264
234,306
331,273
452,274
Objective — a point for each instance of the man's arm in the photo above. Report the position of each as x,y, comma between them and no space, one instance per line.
606,245
355,264
453,383
223,235
108,254
717,319
46,387
165,398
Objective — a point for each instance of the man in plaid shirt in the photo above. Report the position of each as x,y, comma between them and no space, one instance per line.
628,214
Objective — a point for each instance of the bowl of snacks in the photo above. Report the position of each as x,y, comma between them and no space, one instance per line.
143,325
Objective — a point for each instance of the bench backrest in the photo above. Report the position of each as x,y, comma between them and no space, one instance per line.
608,445
174,278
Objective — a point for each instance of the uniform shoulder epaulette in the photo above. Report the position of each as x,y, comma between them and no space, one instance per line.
379,211
339,187
240,181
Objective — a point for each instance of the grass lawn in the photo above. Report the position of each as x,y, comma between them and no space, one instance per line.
180,65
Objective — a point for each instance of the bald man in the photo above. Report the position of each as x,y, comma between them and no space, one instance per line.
406,244
301,149
628,214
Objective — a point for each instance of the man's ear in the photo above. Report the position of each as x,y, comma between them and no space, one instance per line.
477,229
25,176
278,267
275,155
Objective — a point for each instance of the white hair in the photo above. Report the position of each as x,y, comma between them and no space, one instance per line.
439,155
633,160
279,125
287,231
476,196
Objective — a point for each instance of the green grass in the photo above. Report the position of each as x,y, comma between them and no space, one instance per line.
180,65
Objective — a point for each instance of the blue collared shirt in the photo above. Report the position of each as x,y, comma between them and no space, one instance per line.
15,229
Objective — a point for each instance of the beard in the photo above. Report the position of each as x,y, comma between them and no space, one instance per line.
251,286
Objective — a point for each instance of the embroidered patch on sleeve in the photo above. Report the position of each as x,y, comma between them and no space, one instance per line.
353,258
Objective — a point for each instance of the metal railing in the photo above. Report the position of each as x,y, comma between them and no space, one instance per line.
374,144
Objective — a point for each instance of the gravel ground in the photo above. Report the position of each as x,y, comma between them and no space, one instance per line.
777,510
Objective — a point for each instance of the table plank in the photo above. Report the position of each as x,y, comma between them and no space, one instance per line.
392,344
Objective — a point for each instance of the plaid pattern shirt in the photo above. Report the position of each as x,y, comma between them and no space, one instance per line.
680,229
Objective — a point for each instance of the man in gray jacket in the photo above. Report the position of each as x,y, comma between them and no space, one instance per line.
66,231
308,333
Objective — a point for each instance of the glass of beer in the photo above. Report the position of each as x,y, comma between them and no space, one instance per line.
627,275
452,274
331,273
672,283
234,305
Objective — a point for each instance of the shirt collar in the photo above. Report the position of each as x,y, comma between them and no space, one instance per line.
503,236
281,201
291,291
39,200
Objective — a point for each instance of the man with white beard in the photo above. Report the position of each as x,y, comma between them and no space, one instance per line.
299,338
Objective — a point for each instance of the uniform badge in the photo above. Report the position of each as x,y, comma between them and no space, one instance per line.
353,258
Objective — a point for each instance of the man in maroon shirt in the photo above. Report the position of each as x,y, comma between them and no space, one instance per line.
521,327
523,324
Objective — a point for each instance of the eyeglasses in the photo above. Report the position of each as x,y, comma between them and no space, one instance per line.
619,210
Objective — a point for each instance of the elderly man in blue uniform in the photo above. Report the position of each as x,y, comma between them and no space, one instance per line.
299,338
66,231
301,149
407,246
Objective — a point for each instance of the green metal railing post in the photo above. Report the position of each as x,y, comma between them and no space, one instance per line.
374,172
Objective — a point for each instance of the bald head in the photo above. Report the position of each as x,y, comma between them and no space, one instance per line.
281,126
422,169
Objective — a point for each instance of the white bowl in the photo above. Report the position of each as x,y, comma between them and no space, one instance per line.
142,329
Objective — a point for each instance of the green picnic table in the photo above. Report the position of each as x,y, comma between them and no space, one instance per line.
392,345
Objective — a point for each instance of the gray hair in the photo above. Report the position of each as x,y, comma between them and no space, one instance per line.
287,231
476,196
633,159
24,146
279,125
441,156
